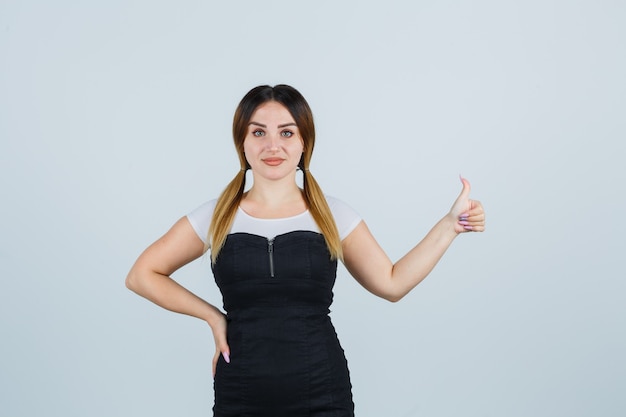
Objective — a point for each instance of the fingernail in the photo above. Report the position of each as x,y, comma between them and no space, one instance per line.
464,216
468,227
226,357
463,222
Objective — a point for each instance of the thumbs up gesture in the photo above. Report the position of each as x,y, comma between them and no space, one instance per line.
469,214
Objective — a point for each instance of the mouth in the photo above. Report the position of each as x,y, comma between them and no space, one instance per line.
273,161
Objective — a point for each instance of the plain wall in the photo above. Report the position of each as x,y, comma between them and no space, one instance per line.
115,121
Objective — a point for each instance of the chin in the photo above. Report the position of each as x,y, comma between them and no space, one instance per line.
275,174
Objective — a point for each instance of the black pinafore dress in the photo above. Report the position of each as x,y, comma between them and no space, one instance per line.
285,358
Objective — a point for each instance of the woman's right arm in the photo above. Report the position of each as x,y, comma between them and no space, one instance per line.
150,278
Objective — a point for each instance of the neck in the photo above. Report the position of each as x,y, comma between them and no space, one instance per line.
274,193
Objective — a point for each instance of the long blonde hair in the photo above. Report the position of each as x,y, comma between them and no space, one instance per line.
229,200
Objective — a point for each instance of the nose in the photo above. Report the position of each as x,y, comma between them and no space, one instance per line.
273,142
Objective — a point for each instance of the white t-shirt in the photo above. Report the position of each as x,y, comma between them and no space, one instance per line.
345,218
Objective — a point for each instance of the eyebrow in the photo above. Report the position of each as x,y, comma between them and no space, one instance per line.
279,126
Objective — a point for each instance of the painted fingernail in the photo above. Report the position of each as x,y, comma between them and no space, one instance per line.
226,357
466,215
463,222
468,227
463,219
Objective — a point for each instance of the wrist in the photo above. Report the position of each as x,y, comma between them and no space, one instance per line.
451,225
214,317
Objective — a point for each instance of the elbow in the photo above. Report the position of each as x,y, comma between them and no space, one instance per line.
391,293
128,282
394,298
131,281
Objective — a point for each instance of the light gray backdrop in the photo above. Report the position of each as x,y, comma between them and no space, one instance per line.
115,121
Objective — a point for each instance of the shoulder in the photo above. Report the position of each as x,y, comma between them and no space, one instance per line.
338,206
346,218
200,218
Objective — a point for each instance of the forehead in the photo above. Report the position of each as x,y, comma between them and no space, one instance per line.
272,111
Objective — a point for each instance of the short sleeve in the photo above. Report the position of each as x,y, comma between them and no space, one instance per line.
200,219
346,218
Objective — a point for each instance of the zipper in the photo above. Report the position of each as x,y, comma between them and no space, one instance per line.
270,251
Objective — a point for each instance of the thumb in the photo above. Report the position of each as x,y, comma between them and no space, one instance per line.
462,203
465,192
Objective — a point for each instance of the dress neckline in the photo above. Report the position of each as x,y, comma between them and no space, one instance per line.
242,211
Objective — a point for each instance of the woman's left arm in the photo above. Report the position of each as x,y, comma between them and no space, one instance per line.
368,263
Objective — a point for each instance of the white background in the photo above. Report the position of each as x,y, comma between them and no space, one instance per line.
115,121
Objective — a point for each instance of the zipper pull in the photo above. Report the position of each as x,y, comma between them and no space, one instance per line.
270,251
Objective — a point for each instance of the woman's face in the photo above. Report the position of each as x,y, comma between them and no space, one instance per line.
273,145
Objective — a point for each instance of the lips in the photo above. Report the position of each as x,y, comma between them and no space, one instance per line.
273,161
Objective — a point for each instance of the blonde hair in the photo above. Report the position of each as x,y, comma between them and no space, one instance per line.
228,202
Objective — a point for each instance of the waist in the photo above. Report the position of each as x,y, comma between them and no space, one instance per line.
280,312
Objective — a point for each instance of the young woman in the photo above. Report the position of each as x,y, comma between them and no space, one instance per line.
274,252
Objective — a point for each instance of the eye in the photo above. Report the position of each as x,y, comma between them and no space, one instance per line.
286,133
258,133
